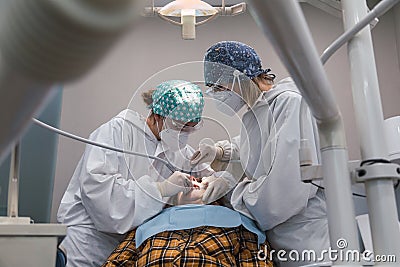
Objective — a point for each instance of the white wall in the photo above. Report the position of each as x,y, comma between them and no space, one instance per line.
155,45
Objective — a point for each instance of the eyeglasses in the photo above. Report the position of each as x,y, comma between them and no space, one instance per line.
217,88
182,126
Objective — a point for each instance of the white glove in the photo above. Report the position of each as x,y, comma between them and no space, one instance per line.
177,182
217,187
206,153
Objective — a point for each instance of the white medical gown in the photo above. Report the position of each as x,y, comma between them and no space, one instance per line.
111,193
292,212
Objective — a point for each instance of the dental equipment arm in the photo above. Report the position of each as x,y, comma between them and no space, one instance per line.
44,42
380,9
87,141
376,171
287,30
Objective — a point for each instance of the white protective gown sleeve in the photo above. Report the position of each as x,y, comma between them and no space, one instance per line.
231,149
114,203
278,194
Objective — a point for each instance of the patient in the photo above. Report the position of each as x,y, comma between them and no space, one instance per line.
193,197
192,234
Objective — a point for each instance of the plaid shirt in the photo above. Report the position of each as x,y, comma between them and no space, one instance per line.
205,246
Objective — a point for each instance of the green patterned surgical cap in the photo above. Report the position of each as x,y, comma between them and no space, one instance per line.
178,100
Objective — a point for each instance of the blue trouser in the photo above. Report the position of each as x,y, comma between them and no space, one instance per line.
61,260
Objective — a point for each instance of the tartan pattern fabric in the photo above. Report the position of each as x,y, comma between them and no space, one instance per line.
204,246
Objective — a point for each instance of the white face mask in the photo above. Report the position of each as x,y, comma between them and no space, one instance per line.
228,102
173,140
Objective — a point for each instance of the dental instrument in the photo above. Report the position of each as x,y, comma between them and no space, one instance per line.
87,141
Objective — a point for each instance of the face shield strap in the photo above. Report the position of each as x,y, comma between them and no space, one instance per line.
236,77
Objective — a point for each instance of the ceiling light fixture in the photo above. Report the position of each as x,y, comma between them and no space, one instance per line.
189,10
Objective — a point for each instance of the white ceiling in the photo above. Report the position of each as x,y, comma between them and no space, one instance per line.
232,2
330,6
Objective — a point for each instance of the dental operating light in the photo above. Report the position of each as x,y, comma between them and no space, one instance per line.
189,10
175,8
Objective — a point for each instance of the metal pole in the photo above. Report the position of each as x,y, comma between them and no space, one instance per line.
397,28
13,186
369,117
286,27
378,11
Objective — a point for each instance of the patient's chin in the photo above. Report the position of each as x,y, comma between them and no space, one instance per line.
193,197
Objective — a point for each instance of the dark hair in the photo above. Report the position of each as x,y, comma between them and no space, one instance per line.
148,97
266,76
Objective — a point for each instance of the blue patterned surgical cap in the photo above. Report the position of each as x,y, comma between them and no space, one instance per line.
235,55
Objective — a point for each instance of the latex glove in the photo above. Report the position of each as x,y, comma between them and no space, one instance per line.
177,182
217,187
206,153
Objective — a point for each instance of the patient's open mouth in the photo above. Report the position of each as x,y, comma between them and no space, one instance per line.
197,184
